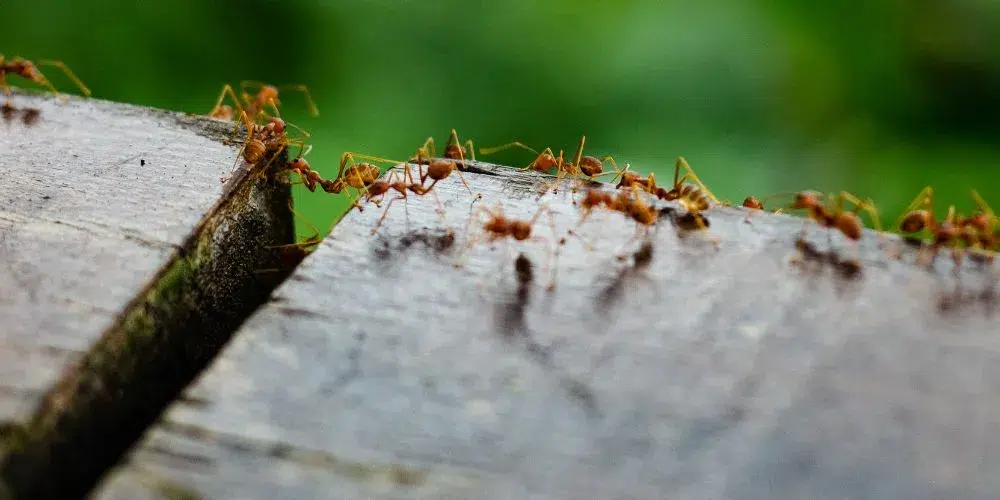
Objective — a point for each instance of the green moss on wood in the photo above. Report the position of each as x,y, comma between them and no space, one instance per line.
159,343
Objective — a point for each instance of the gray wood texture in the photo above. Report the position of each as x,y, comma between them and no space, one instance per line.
750,370
127,264
84,225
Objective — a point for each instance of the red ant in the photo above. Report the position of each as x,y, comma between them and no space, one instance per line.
266,95
975,231
358,176
581,166
752,203
832,215
694,199
267,141
453,149
498,226
29,71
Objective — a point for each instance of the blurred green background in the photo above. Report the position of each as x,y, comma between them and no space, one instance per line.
878,98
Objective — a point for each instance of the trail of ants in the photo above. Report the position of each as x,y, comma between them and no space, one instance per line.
976,236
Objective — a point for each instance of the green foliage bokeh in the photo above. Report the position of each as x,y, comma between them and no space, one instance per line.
878,98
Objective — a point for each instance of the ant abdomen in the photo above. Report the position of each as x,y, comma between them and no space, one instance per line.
849,224
440,169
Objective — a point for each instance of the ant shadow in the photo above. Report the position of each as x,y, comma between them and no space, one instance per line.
612,292
29,116
511,325
436,242
961,300
812,261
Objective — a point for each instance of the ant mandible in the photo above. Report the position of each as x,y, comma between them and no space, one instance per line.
28,70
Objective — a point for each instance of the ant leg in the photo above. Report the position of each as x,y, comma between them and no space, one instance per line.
986,209
428,148
553,249
315,239
250,130
579,151
682,163
227,91
263,171
313,110
868,206
502,147
69,73
454,135
385,213
471,148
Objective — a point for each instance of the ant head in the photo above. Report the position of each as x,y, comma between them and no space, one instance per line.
849,224
591,166
914,221
806,199
753,202
223,112
276,124
299,163
546,160
268,93
455,151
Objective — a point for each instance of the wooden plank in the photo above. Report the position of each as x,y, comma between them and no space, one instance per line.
117,240
751,371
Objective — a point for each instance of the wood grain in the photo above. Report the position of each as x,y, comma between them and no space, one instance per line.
750,370
117,240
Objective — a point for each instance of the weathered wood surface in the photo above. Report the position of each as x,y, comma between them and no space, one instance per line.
379,369
117,238
85,225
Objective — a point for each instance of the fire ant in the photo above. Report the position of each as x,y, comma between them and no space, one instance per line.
29,71
626,202
498,226
267,141
453,149
581,166
358,176
975,231
752,203
832,215
266,95
694,198
380,187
